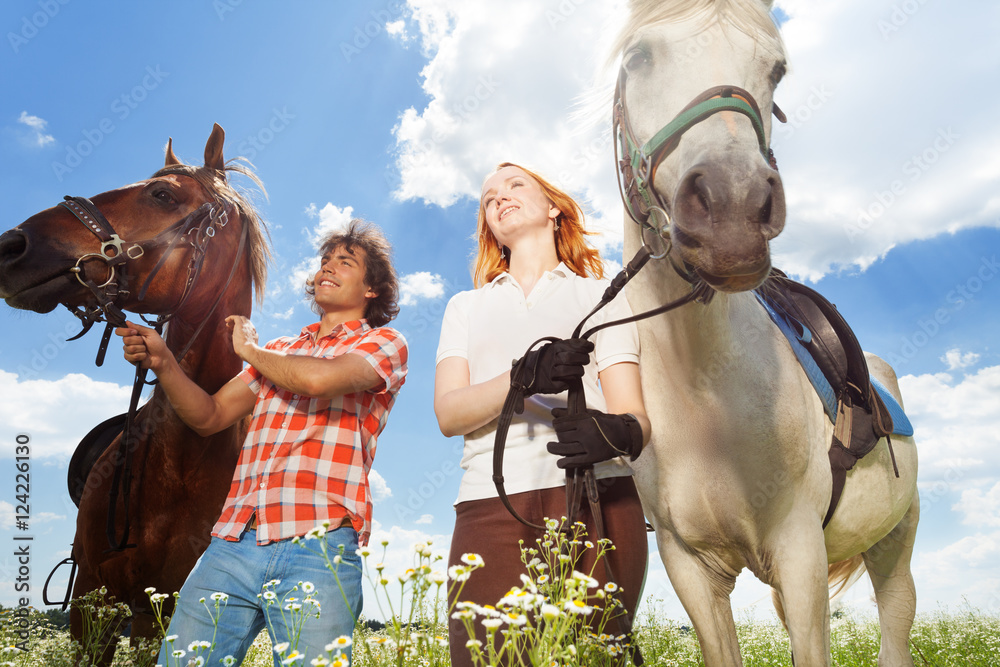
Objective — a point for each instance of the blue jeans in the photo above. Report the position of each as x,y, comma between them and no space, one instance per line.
240,570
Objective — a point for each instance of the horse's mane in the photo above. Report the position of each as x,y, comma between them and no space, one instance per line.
258,248
748,17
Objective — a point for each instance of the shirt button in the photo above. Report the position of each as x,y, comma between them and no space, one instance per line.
263,485
295,397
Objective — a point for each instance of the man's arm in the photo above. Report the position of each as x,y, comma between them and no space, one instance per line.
204,413
309,376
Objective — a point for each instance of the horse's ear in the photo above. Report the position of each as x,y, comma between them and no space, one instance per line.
171,159
213,150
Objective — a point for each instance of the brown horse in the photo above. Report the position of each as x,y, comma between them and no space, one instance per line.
193,249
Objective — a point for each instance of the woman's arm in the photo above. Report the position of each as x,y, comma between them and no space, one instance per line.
462,407
622,390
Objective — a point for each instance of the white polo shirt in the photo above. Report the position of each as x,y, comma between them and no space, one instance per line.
491,327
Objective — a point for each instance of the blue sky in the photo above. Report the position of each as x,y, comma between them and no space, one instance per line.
394,111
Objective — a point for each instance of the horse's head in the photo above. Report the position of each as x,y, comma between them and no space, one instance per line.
140,247
693,117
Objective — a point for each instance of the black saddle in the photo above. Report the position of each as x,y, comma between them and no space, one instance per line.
862,417
88,451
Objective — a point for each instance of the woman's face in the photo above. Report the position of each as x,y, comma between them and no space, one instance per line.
512,201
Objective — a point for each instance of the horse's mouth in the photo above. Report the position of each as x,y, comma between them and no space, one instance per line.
43,295
735,283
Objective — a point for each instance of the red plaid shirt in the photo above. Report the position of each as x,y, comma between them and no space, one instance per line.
306,460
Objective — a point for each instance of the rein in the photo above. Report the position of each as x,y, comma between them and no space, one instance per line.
200,227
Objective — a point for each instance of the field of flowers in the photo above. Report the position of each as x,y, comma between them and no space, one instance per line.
557,617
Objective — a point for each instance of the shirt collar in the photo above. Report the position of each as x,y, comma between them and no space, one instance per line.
561,270
349,328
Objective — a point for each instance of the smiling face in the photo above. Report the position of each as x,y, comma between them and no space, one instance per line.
514,204
339,283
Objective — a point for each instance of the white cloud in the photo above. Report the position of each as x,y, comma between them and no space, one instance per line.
856,143
424,519
864,168
331,219
380,488
302,272
508,94
7,515
398,556
397,29
956,360
420,285
968,569
37,126
27,406
980,509
957,426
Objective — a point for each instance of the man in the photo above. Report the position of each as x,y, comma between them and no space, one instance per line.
318,403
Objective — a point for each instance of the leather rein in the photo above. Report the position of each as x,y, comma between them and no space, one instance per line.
637,170
198,228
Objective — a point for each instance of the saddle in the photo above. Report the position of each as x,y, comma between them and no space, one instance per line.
859,414
87,453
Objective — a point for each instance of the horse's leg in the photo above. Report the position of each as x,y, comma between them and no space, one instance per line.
888,563
800,579
703,587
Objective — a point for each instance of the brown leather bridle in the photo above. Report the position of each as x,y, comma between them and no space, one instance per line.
198,228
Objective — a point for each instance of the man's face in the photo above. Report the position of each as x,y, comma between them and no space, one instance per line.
340,282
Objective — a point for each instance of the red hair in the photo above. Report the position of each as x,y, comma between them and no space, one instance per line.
571,246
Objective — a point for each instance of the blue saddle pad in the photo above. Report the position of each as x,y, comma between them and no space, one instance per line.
900,423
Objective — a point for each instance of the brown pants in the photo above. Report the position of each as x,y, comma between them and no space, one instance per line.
485,527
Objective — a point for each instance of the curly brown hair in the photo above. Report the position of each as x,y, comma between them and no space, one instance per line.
380,275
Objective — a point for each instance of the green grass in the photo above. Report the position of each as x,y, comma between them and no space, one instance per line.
968,638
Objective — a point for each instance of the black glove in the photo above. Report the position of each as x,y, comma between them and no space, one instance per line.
586,439
546,370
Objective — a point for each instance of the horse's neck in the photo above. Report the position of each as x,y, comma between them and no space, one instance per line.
210,361
200,328
701,346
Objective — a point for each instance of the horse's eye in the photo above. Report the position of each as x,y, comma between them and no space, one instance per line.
635,60
778,73
164,196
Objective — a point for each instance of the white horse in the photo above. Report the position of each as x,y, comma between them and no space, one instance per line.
737,473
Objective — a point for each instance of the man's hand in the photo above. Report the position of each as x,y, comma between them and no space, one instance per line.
244,335
592,437
547,369
144,347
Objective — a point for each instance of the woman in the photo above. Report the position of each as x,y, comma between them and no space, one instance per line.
536,276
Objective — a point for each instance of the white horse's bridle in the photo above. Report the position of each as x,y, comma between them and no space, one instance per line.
637,163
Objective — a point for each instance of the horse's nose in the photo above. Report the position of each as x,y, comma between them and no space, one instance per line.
722,192
13,245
